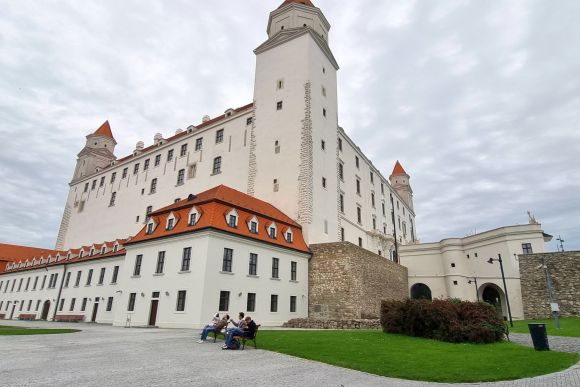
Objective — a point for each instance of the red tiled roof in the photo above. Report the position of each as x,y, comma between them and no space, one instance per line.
216,202
305,2
15,253
105,130
398,170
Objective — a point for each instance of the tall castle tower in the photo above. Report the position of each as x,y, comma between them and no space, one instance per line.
293,142
399,180
97,153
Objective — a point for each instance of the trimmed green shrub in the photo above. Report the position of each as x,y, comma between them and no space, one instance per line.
454,321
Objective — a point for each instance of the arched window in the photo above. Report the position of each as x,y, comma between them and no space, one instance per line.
420,292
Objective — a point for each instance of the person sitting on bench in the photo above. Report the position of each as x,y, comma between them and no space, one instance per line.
216,327
248,331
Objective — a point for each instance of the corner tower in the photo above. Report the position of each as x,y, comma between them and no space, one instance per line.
293,141
399,180
97,153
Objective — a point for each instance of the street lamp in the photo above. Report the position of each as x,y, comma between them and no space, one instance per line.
474,280
507,299
553,304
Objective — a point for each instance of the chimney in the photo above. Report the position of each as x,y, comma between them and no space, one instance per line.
205,118
139,146
157,138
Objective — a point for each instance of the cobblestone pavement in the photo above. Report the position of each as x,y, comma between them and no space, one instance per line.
557,343
102,355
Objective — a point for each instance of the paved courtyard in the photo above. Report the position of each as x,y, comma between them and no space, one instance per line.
102,355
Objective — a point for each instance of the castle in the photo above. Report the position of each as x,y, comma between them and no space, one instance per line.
257,209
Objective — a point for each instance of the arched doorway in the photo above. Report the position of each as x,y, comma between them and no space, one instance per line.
420,292
493,295
45,309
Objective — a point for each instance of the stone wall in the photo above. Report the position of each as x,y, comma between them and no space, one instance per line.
564,270
311,323
347,282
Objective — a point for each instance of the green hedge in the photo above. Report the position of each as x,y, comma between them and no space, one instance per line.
452,320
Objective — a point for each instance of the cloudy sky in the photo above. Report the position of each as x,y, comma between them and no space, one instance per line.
480,100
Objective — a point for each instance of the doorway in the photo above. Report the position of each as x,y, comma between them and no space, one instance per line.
95,309
153,313
494,296
45,309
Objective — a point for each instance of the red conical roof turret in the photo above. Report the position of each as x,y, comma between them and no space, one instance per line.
105,130
398,170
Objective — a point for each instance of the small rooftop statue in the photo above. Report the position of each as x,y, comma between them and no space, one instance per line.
532,218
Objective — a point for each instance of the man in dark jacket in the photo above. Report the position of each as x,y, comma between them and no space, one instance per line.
249,331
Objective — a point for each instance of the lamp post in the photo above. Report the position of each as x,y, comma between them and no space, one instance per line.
507,299
476,288
553,304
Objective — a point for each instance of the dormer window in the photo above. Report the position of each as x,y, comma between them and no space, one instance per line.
272,231
68,256
232,218
92,252
192,219
150,228
253,227
289,236
81,254
232,221
115,248
170,224
103,249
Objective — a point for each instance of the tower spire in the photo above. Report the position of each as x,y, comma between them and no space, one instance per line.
305,2
104,130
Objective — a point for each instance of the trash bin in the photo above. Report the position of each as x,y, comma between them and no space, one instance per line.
539,336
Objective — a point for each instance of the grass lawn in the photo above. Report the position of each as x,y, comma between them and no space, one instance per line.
415,358
569,326
6,330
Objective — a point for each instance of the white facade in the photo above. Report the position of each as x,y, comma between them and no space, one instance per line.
446,267
283,148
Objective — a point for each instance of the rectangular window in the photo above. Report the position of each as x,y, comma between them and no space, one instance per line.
153,186
131,305
253,269
160,262
146,165
78,279
373,199
272,232
20,283
217,165
372,178
169,155
86,187
292,304
109,304
181,295
102,182
115,274
27,283
527,248
322,144
66,281
113,198
359,242
192,219
43,282
60,305
90,277
37,305
94,184
224,305
341,171
279,105
289,237
340,144
275,267
274,303
358,186
183,150
254,227
84,305
356,161
180,176
227,261
293,270
383,206
136,169
29,305
72,304
342,203
251,303
36,283
137,269
199,144
102,276
249,121
219,136
324,112
157,160
324,182
113,177
232,221
125,171
359,215
186,259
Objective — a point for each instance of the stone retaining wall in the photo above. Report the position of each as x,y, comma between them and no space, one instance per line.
347,282
311,323
564,270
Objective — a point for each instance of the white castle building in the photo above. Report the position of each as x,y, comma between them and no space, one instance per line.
251,189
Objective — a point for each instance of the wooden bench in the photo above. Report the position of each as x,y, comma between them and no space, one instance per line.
27,316
215,334
243,339
69,318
